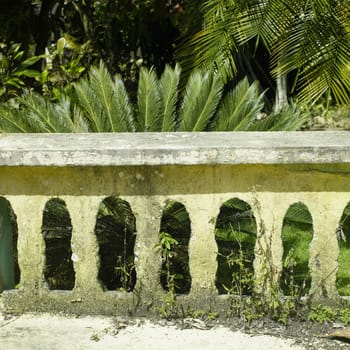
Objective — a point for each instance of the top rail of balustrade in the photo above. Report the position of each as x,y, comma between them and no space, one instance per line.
189,148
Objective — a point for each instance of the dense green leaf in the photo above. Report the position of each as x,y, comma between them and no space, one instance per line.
202,95
148,101
168,90
240,107
312,38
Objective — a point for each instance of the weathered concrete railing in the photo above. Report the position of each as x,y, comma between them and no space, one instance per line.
270,171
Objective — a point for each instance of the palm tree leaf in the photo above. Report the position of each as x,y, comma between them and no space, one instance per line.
288,118
202,95
239,108
299,213
45,116
148,101
111,95
212,47
168,89
11,120
312,38
80,123
318,45
123,115
89,105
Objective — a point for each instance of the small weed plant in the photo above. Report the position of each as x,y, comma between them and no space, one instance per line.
165,247
249,305
322,313
327,314
246,302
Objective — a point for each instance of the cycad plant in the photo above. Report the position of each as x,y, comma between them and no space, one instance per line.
34,113
100,103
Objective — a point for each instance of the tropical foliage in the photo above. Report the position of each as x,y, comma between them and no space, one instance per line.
14,69
310,41
100,103
120,33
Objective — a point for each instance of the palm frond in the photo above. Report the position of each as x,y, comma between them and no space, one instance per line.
265,20
239,108
288,118
168,89
45,116
12,120
308,37
148,101
34,113
123,115
79,122
318,45
104,101
37,110
212,47
118,209
112,98
89,105
202,95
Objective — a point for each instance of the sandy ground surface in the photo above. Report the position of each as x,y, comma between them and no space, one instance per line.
37,332
53,332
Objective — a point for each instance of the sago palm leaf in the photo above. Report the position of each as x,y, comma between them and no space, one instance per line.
202,95
239,108
33,113
123,116
89,105
115,106
104,101
168,90
44,116
37,112
288,118
60,117
102,86
12,120
80,123
148,101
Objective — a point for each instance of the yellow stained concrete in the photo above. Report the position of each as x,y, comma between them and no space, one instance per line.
268,189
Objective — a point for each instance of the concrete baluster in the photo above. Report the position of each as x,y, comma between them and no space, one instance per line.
202,246
30,244
269,211
326,212
147,259
83,212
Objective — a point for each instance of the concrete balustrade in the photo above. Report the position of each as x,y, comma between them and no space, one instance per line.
269,171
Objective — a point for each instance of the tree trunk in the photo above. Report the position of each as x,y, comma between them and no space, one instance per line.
281,99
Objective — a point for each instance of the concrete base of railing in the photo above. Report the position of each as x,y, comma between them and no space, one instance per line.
269,171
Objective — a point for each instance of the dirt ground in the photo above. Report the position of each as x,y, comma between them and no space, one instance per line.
37,332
